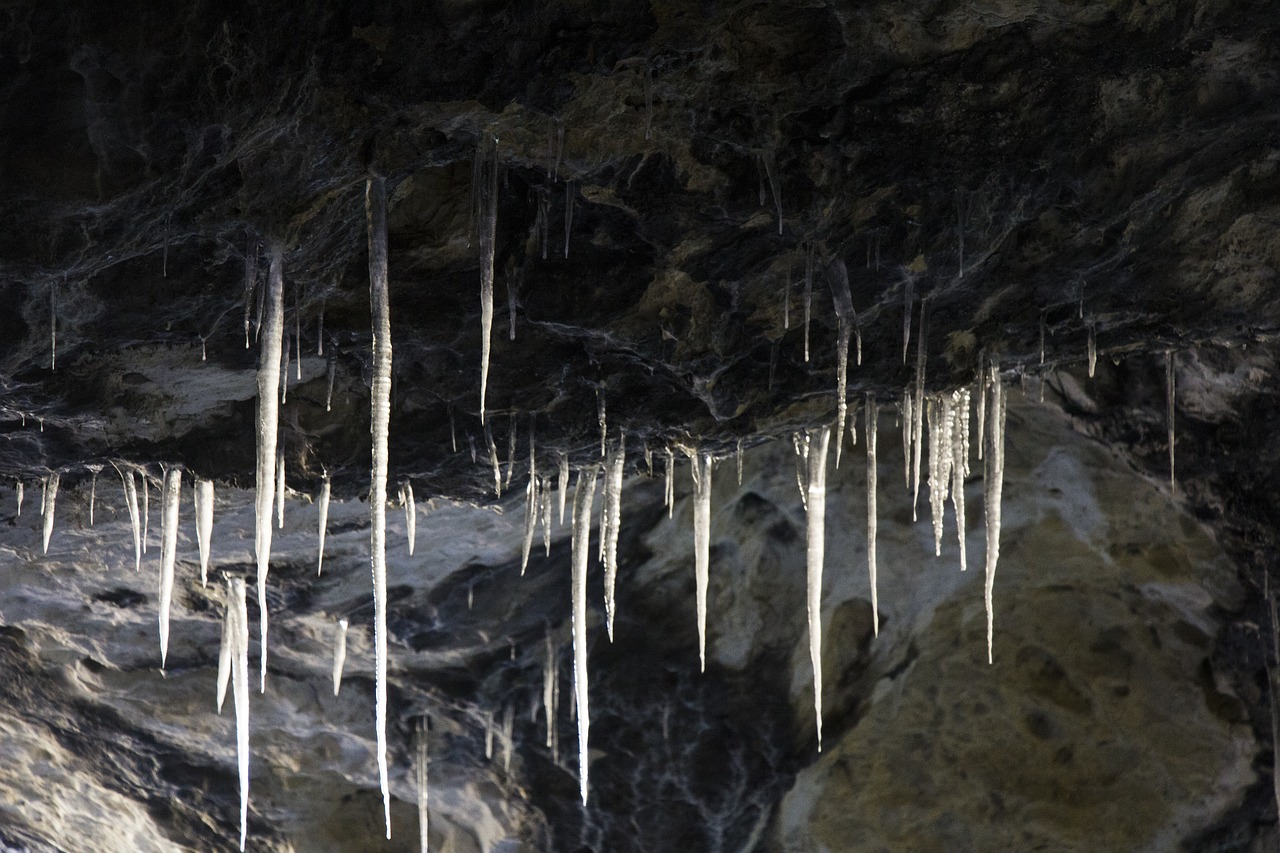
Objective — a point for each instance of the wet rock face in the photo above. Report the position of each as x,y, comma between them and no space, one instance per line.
678,188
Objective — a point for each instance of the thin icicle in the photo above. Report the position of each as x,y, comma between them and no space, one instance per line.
562,482
170,497
942,419
493,461
19,489
846,317
583,496
268,422
410,514
808,296
993,486
907,299
873,416
980,391
204,525
960,468
532,504
339,654
421,766
550,675
701,469
93,493
908,422
544,507
146,509
1092,350
816,479
131,498
227,648
284,372
511,452
280,490
738,458
240,692
800,441
487,192
669,492
917,425
49,504
1168,415
376,211
324,521
250,280
602,419
331,369
613,471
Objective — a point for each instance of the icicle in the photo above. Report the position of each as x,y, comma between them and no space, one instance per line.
800,441
1042,330
1092,350
471,440
488,734
906,316
280,490
240,691
908,421
808,296
602,420
942,419
20,490
816,502
738,457
339,654
669,492
960,466
613,471
570,190
505,739
582,499
131,498
284,372
93,493
701,465
146,509
917,426
549,678
268,422
544,500
838,276
493,461
487,176
324,521
563,483
980,391
320,331
421,766
532,503
453,431
49,503
204,525
226,648
410,514
873,416
331,369
1169,407
297,337
992,488
170,497
376,210
250,281
786,299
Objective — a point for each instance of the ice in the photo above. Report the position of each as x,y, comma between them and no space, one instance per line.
493,461
204,524
486,192
613,471
410,514
131,498
380,407
669,492
816,481
280,490
550,675
993,485
873,415
808,296
48,505
18,487
250,281
602,420
917,412
339,654
1092,350
226,648
511,452
562,486
169,500
268,421
701,469
838,276
324,521
532,504
421,767
93,492
906,315
544,501
331,368
583,496
240,692
960,468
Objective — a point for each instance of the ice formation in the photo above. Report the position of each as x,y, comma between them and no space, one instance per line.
818,441
993,477
339,654
169,500
280,490
204,524
380,407
838,275
271,334
240,693
613,470
48,504
420,765
486,193
701,470
131,498
873,416
410,514
323,506
583,496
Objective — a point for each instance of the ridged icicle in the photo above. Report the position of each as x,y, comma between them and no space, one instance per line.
131,498
960,467
170,497
613,471
993,486
204,524
280,491
846,319
271,334
583,497
420,765
562,482
532,505
380,406
816,503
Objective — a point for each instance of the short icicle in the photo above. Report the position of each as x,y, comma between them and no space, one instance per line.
562,482
226,649
339,654
271,335
204,524
410,514
323,521
873,416
532,505
701,465
669,490
280,490
380,417
131,498
816,503
19,488
583,497
960,468
49,504
170,496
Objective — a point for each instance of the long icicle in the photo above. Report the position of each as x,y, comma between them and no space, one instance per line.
583,497
421,767
917,414
993,487
816,503
873,416
240,692
131,498
170,498
960,468
204,525
487,193
280,490
613,470
838,276
226,651
271,334
669,490
562,482
323,521
701,465
376,211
